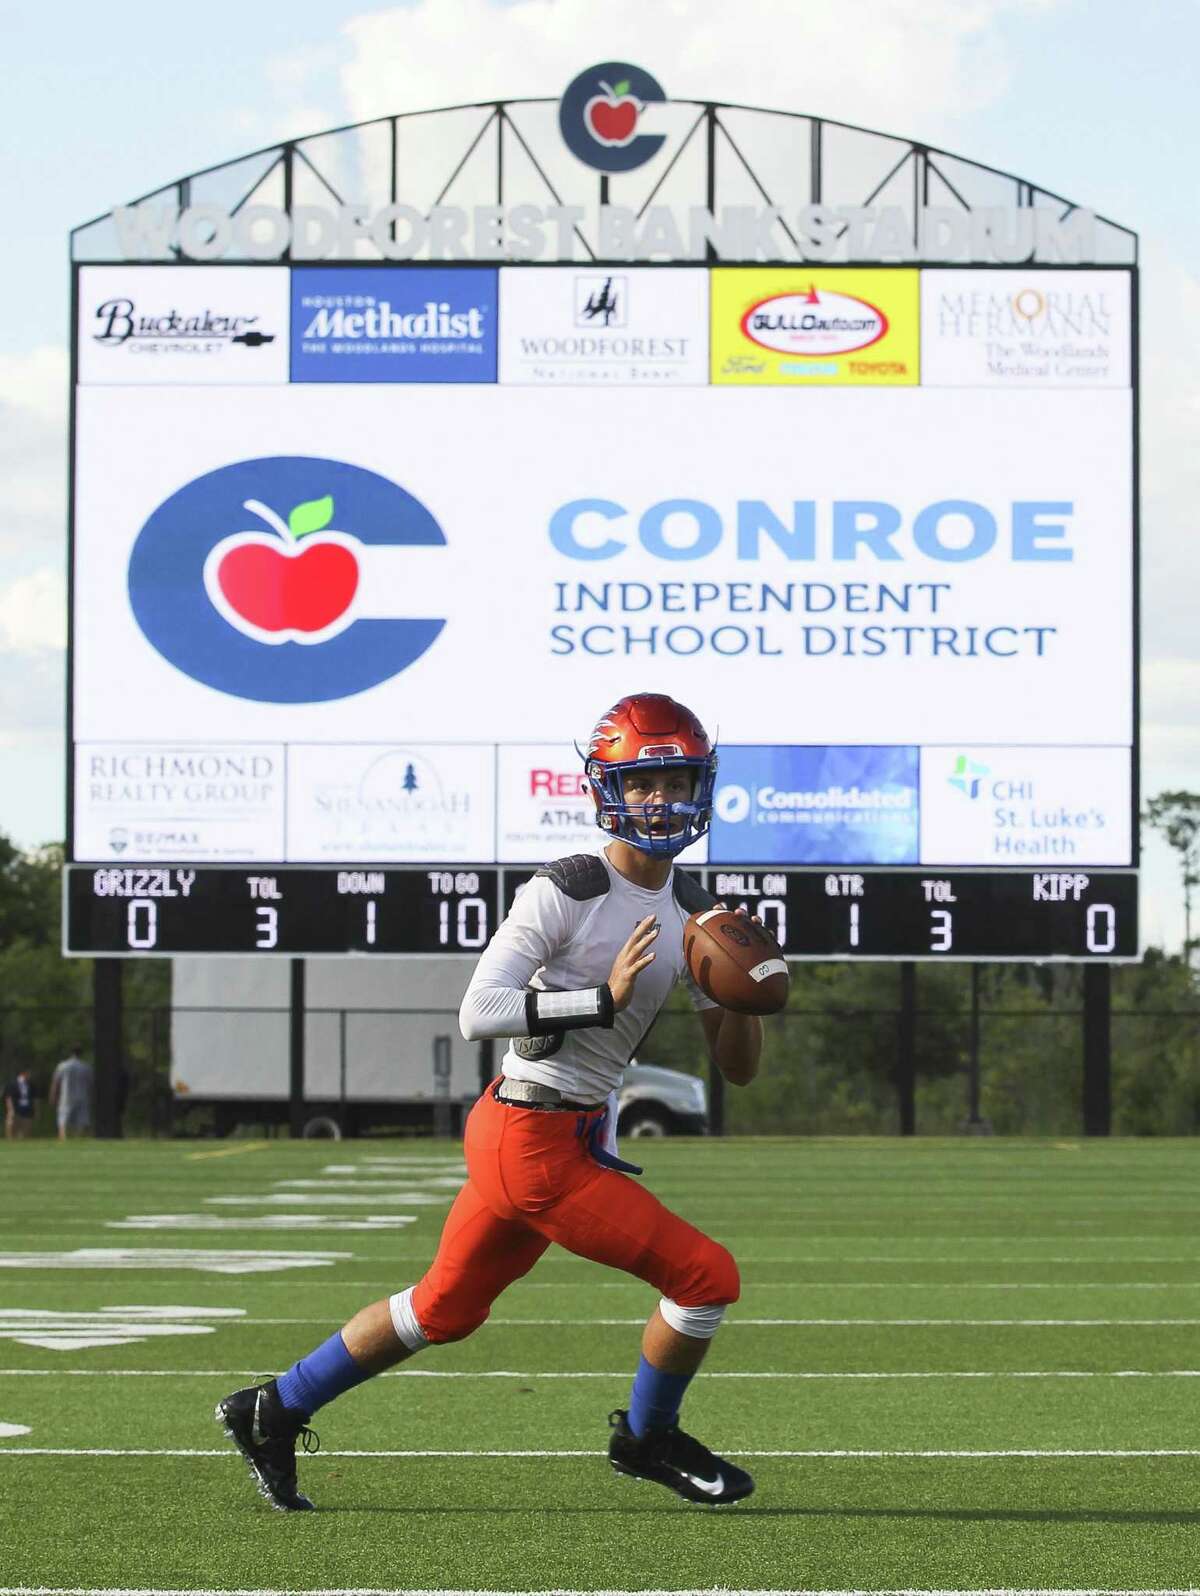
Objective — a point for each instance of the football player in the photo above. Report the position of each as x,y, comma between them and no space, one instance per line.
573,978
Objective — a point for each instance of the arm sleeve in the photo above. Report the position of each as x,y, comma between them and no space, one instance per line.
498,1002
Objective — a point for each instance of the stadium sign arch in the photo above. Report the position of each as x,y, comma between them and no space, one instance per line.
498,181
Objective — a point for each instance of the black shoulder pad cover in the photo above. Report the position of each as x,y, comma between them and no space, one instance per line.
690,895
580,876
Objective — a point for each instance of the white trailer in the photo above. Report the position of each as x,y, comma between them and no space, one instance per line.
382,1050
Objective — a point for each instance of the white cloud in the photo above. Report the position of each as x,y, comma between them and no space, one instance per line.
1170,416
31,744
911,65
1170,328
31,695
34,806
33,452
33,611
33,467
298,96
36,381
1171,691
1170,762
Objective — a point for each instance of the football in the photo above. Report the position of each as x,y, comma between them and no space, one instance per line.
737,962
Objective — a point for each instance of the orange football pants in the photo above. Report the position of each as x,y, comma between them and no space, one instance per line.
531,1181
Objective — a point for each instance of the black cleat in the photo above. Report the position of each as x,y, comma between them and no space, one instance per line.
265,1433
679,1461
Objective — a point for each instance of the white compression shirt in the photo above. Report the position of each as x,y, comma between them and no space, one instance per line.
556,939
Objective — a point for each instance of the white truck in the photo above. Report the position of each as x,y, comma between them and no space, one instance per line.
369,1063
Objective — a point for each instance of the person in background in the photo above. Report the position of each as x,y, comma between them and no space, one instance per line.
71,1095
20,1106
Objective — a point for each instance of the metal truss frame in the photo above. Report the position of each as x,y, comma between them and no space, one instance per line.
913,174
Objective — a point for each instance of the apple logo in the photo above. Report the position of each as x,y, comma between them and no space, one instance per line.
600,115
612,117
296,583
289,584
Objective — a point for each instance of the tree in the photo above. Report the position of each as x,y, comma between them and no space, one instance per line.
46,1000
29,894
1176,817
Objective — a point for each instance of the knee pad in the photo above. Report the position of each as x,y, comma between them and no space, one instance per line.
702,1323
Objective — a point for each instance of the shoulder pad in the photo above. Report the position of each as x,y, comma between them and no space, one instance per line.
580,876
690,895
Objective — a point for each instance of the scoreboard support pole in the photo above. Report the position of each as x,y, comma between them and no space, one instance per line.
975,1125
1097,1049
906,1050
296,1049
342,1117
716,1101
106,1030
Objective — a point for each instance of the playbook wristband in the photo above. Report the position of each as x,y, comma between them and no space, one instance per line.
546,1012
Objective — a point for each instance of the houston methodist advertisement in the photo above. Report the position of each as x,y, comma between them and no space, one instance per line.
371,619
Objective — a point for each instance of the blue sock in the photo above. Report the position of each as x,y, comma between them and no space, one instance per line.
655,1398
317,1379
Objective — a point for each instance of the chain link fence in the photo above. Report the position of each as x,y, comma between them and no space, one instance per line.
826,1072
833,1073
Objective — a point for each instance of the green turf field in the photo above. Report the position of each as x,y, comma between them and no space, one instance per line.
955,1366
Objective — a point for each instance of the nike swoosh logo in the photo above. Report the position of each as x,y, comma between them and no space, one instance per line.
256,1429
709,1487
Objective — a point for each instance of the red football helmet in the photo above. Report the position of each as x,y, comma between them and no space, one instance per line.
650,729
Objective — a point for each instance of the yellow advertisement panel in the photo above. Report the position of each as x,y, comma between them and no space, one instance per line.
805,324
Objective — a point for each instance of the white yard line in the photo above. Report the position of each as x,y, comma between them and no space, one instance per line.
416,1452
624,1374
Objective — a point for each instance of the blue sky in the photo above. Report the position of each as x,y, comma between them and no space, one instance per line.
1094,100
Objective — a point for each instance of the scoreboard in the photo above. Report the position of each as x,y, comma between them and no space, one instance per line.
332,658
151,911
